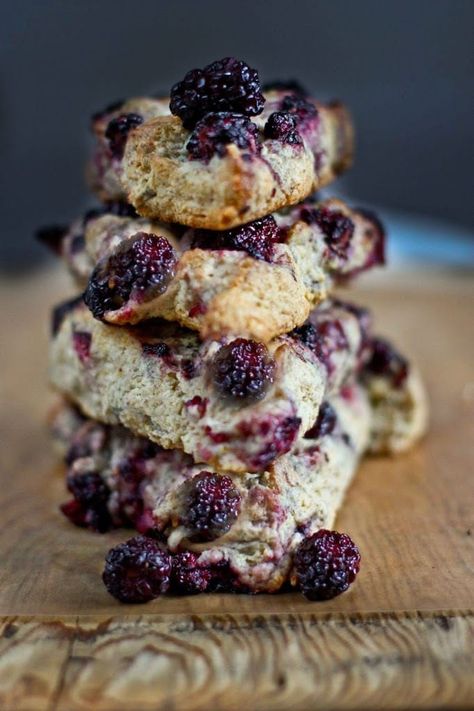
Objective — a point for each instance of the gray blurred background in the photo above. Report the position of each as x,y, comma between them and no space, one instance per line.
404,67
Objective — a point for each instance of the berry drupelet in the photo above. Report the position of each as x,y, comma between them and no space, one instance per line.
141,269
243,370
225,85
326,564
212,505
138,570
257,238
215,132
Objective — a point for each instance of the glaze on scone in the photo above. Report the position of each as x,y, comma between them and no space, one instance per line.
161,382
290,264
157,176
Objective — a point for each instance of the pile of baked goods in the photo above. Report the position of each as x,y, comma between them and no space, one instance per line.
215,394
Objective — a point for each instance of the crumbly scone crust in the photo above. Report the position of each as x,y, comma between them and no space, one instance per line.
157,177
117,383
222,292
295,497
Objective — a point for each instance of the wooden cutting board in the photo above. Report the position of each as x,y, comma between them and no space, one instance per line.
401,638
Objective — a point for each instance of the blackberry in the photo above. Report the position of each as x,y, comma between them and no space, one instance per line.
117,132
304,111
281,126
215,132
283,435
137,571
325,422
212,506
388,362
141,268
225,85
243,370
336,227
257,238
326,564
187,576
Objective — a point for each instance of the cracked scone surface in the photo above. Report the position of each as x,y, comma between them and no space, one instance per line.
296,496
221,291
154,379
156,175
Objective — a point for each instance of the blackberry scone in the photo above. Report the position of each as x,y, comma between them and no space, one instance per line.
257,281
227,154
236,404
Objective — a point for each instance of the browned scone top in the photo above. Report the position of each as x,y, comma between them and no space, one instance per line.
157,174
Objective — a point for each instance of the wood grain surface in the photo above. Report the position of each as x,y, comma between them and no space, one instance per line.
401,638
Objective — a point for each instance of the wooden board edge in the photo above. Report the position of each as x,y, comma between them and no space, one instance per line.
222,662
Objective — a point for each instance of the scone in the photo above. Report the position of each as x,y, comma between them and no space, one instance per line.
256,281
228,155
237,405
119,479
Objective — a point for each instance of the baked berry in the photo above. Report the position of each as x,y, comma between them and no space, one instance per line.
325,422
257,238
292,86
140,269
304,111
88,488
117,132
213,133
336,227
138,570
95,518
386,361
324,339
243,369
187,576
326,564
212,504
109,109
225,85
60,312
281,126
52,237
282,433
81,341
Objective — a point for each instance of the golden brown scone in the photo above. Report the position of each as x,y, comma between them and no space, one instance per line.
156,172
257,281
237,406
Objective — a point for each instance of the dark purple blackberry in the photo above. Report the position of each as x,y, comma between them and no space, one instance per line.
89,508
281,126
52,237
336,227
81,341
326,564
225,85
117,132
140,269
243,370
323,339
292,86
137,571
60,312
283,435
303,110
257,238
88,488
212,505
385,360
110,108
187,577
325,422
215,132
